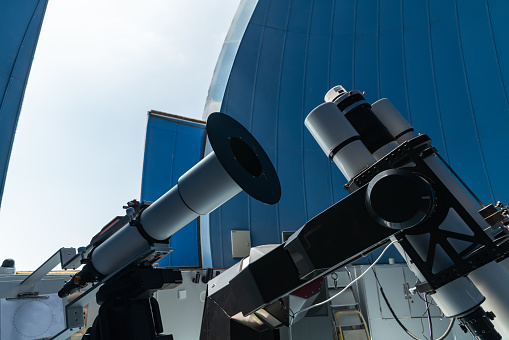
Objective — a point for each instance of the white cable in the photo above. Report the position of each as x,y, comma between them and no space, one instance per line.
348,286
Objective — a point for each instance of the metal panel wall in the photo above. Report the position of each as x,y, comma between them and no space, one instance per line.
20,24
443,64
173,145
410,310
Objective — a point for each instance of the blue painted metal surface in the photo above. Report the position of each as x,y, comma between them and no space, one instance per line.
20,24
173,145
443,64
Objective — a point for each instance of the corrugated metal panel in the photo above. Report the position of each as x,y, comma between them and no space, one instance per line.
443,64
20,24
173,145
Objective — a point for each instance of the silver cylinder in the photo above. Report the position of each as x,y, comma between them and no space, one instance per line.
458,297
118,249
337,138
492,280
166,215
237,163
200,190
505,264
207,185
398,126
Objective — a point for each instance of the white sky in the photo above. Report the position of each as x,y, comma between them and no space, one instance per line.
78,151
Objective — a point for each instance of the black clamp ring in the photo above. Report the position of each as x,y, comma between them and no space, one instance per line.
136,223
341,145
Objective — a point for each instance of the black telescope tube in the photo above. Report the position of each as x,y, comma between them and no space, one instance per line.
373,133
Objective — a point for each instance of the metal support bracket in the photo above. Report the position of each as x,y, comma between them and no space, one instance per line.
74,310
27,284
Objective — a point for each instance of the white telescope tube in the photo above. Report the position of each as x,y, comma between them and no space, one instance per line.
338,139
205,187
237,163
200,190
118,249
505,264
398,126
492,280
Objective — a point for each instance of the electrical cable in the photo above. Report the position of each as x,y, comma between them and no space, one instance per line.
429,302
446,333
459,179
291,317
448,330
430,325
349,273
422,326
392,311
350,284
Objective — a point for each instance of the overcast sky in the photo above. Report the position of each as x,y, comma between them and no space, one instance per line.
98,68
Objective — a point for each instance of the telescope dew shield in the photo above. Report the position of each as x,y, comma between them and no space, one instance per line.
338,139
237,163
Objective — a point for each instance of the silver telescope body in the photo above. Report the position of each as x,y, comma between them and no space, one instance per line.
237,163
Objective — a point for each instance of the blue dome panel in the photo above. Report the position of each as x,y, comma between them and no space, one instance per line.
443,64
20,25
173,145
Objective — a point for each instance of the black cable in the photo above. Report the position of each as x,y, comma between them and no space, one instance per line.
392,311
447,331
430,324
422,326
460,180
430,302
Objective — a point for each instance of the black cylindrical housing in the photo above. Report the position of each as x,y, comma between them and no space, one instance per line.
480,325
373,133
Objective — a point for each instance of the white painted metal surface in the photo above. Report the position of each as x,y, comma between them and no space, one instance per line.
330,128
393,120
